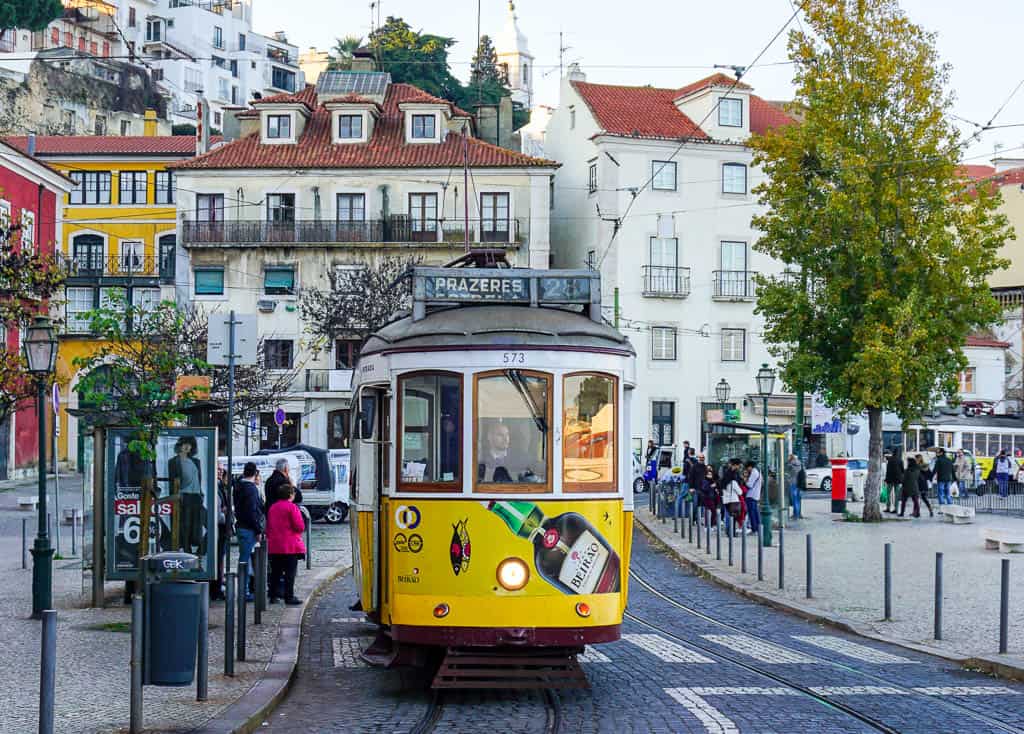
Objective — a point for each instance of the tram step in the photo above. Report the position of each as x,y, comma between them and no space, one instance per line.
499,669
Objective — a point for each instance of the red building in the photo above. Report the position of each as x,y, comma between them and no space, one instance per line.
29,191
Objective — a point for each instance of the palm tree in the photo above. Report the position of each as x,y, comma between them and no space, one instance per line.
341,54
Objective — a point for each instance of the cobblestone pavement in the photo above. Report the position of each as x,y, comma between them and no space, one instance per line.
673,671
848,574
93,644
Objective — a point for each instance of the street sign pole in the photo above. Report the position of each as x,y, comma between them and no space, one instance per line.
229,510
279,419
56,479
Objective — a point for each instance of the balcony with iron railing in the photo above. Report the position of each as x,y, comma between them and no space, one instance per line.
92,267
395,229
662,281
321,380
734,285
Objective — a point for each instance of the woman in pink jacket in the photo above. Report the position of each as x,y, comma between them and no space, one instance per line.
284,543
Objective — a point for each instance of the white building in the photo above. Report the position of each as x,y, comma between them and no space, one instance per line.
325,179
209,46
188,45
681,265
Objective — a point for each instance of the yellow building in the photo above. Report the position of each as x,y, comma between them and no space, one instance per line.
118,239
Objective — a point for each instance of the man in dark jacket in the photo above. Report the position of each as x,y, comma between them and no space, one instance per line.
250,518
281,475
695,479
910,490
944,475
893,481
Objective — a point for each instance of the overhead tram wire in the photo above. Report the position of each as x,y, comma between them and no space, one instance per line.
740,73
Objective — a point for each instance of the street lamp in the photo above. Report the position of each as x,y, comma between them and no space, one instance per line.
765,387
722,392
40,349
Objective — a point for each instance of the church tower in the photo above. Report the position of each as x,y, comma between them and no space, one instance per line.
514,55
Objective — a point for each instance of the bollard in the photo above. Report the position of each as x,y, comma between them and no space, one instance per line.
24,542
782,560
203,653
938,596
718,538
675,517
49,532
689,526
888,582
309,545
760,556
707,532
743,551
242,591
74,531
810,568
701,516
229,624
257,559
1004,606
48,671
135,694
731,534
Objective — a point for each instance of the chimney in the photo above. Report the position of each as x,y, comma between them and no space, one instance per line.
505,122
149,124
202,124
576,74
32,144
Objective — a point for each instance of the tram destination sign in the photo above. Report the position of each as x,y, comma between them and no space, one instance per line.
454,286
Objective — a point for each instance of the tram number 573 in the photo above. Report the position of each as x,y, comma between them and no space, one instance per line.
514,358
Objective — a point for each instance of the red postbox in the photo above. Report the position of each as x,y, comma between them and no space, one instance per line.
838,485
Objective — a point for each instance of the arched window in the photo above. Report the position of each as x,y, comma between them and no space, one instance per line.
87,253
168,254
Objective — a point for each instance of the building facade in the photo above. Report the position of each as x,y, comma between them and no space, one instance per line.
330,180
29,219
655,192
118,241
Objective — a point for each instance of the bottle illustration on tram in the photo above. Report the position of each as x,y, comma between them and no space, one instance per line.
569,553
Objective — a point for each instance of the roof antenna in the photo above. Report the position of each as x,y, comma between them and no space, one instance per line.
738,70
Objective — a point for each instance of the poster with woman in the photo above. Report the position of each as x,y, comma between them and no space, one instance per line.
183,516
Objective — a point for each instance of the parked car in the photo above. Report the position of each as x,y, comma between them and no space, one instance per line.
639,483
856,475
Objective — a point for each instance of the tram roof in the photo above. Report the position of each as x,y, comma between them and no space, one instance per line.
490,327
970,422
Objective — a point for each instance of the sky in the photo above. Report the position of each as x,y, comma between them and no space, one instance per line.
671,42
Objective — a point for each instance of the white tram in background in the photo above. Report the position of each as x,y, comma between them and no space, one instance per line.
983,437
492,475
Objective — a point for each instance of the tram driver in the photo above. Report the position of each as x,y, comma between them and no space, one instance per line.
499,462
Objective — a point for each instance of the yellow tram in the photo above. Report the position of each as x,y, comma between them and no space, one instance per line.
491,473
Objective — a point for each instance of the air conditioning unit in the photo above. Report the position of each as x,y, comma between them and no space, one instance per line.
266,306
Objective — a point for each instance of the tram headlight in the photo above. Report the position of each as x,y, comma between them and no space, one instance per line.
513,573
583,609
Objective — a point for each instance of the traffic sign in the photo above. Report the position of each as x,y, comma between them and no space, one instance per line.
279,417
217,351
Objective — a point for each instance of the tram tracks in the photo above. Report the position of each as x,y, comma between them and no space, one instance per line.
433,716
716,652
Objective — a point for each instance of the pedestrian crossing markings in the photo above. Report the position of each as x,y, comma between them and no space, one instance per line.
591,655
665,649
852,649
765,652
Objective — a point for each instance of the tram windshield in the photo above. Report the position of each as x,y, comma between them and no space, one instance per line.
589,433
431,430
512,430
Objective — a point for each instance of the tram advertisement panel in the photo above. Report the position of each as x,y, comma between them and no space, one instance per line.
183,516
554,547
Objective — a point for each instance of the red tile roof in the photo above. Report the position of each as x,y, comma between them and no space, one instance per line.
306,97
639,112
650,112
387,147
985,341
975,171
715,80
47,145
1009,177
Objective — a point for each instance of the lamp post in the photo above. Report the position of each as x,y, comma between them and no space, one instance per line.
40,349
722,390
765,387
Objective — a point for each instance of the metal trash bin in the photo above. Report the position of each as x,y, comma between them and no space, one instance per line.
171,620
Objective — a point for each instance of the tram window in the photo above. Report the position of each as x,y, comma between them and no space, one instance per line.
946,439
512,437
430,438
1018,445
993,444
910,440
967,441
926,440
588,433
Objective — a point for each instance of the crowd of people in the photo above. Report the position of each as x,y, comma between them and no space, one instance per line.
272,517
732,492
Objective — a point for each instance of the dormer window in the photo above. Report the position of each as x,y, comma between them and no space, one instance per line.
279,127
730,112
424,127
350,127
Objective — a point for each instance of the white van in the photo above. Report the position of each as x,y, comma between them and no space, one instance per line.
264,463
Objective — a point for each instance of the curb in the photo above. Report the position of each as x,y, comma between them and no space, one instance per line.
991,665
247,714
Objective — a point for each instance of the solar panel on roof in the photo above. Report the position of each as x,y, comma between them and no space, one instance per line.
353,82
